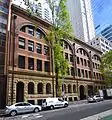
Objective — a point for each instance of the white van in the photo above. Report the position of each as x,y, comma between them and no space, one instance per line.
53,103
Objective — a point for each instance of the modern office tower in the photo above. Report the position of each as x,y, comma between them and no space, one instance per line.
101,43
107,33
81,17
3,26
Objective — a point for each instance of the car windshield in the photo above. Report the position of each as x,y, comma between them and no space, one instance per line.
60,99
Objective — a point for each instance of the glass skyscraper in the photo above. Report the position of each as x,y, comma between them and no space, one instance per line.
4,4
3,26
107,33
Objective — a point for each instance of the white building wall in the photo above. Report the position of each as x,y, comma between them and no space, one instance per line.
44,5
84,20
91,28
75,18
101,43
81,18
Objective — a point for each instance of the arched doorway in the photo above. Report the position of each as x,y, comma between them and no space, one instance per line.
74,88
90,90
20,92
95,90
82,96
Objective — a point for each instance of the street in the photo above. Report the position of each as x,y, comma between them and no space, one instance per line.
72,112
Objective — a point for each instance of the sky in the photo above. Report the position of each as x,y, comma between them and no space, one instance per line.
102,13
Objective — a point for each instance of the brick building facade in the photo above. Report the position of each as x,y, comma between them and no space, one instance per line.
30,66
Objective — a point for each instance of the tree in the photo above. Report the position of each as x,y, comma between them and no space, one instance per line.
61,29
106,67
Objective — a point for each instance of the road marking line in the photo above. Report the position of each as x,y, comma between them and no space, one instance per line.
100,115
39,116
36,114
25,116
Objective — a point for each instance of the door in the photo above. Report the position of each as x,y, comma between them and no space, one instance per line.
59,103
3,86
28,107
20,108
44,103
20,92
82,96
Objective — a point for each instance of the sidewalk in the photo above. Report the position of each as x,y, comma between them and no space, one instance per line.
78,102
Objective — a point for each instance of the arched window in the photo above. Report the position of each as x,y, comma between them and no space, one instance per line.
31,29
82,52
74,88
39,34
40,88
23,29
96,57
69,88
69,52
48,88
30,88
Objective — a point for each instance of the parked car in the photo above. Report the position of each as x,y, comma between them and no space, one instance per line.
21,107
95,98
53,103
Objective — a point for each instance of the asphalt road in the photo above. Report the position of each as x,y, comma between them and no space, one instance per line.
72,112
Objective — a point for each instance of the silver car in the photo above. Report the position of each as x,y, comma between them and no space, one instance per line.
21,107
95,98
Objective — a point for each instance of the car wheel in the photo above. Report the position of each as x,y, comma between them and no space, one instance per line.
36,110
13,113
65,105
51,107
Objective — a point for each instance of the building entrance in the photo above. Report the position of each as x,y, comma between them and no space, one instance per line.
20,92
82,90
3,86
